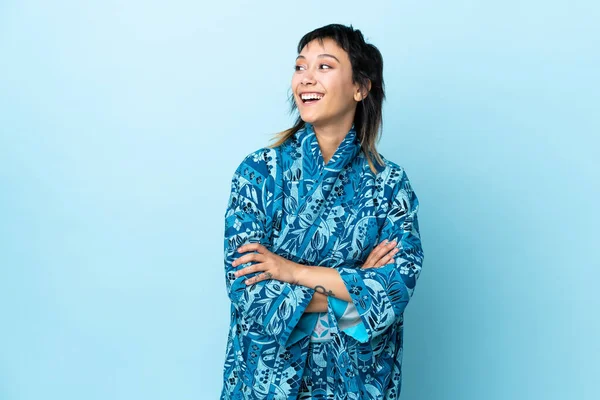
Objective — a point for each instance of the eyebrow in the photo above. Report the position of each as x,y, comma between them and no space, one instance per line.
322,56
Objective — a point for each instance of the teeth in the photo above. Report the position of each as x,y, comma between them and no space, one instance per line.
308,96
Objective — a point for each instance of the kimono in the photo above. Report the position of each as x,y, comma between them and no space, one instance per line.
329,215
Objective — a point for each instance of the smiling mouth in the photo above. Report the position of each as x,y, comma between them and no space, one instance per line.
311,98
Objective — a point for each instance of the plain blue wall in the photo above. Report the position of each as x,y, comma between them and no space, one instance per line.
121,124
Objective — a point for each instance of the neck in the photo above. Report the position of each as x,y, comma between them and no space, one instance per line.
330,136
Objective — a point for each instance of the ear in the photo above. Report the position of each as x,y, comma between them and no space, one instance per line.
360,94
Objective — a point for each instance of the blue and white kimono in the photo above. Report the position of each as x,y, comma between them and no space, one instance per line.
330,215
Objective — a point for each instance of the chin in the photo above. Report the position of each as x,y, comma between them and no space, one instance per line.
307,119
311,119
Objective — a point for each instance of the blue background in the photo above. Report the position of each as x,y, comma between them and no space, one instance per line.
121,124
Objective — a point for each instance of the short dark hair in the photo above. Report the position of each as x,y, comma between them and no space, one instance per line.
367,66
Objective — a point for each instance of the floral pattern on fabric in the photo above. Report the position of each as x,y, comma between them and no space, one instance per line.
330,215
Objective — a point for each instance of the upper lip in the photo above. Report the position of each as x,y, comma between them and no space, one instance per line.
310,92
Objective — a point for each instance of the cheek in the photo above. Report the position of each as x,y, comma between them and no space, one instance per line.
340,87
296,79
341,95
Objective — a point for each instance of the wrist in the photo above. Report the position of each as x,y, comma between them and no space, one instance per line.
299,272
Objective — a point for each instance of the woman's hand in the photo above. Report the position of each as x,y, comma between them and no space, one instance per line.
381,255
272,265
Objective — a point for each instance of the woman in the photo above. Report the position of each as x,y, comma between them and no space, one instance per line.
322,243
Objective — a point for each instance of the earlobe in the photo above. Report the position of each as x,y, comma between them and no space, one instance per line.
359,96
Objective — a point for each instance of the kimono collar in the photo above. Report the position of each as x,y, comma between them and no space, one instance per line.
344,154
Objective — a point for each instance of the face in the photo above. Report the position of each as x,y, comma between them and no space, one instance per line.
322,84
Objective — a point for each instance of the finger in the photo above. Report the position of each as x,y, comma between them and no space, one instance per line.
260,277
252,247
371,258
381,251
386,258
384,261
249,270
248,258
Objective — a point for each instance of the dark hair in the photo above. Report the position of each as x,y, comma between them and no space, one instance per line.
367,66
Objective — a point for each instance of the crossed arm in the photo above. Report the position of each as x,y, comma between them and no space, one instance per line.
325,281
279,292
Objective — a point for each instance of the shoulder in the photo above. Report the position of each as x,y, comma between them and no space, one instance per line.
259,158
394,178
390,172
258,165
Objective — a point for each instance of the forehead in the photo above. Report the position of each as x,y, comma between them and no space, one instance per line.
328,46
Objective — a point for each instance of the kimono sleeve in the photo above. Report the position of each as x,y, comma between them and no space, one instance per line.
273,304
380,295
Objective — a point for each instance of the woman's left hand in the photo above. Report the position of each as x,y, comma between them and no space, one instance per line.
272,265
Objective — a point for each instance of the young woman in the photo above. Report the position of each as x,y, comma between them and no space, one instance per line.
322,243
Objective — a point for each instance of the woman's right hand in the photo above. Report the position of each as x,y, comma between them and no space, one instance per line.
381,255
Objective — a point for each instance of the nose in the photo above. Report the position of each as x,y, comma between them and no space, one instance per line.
308,77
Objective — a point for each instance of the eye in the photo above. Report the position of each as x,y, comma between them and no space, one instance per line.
325,65
298,67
